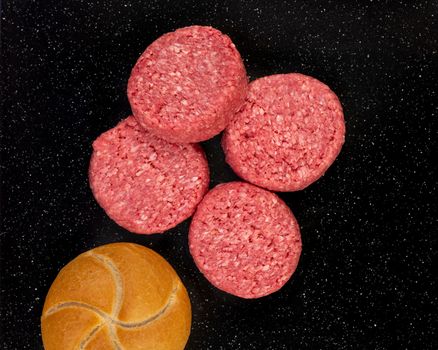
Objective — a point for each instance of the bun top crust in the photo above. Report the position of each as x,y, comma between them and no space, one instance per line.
121,296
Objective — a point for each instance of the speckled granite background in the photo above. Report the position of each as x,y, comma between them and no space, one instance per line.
369,227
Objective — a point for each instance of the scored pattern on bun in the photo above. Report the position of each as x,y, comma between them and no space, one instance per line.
108,298
111,320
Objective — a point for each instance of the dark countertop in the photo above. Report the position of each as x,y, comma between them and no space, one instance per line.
369,226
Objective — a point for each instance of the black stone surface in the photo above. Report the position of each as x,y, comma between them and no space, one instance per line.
369,226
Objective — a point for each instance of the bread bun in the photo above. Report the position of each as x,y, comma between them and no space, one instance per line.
117,296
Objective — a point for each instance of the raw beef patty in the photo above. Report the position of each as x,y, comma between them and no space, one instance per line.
245,240
287,134
145,184
187,84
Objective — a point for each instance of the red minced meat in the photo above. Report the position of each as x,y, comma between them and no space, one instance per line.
187,84
245,240
145,184
287,134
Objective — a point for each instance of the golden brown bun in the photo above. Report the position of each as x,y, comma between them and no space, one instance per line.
119,296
